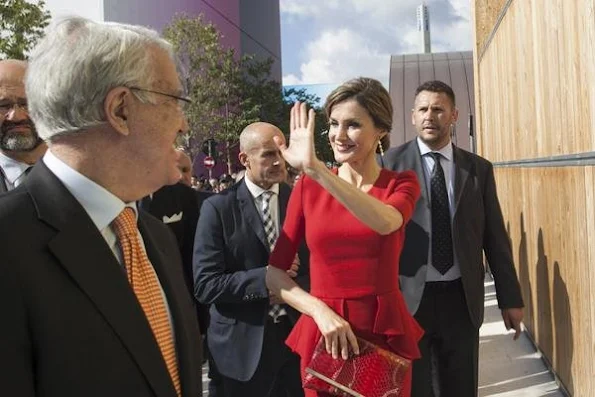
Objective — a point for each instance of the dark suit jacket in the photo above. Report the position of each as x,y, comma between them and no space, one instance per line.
169,202
231,252
3,188
477,227
71,324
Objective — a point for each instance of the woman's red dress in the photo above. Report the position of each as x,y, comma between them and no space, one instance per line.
353,269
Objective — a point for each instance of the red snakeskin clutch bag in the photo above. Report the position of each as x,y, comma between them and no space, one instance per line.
375,372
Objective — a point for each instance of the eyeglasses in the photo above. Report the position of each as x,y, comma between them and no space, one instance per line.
6,107
182,101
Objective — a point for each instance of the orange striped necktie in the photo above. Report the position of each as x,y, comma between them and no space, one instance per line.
145,285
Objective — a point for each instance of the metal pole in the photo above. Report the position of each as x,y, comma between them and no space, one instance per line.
471,134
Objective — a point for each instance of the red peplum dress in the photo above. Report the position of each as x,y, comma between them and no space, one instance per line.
353,269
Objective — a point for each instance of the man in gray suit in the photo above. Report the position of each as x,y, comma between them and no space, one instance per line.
20,146
456,220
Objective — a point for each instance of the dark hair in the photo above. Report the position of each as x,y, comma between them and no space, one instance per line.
372,96
437,86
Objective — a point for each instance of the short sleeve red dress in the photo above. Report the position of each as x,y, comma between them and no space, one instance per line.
353,269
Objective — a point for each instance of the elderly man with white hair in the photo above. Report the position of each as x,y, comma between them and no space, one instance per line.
92,294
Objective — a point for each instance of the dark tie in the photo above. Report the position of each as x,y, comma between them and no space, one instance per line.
270,231
23,176
442,254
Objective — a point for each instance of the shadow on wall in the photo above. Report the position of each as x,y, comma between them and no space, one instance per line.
543,317
525,279
550,327
563,325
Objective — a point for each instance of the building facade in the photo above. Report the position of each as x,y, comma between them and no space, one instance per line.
535,101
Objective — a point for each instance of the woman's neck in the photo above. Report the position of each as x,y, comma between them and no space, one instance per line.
362,175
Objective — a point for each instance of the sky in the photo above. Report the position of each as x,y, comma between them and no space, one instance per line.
326,42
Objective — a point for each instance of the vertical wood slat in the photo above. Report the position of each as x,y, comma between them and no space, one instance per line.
535,97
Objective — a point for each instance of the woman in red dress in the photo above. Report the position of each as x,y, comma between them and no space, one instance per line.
353,219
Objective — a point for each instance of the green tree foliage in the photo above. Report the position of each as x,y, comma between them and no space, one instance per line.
280,117
21,24
229,92
216,82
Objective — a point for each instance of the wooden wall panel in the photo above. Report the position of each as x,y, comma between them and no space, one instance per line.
535,98
545,211
486,15
536,81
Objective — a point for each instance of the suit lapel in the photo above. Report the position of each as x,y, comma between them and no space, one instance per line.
82,251
250,213
159,261
284,192
414,161
3,187
462,171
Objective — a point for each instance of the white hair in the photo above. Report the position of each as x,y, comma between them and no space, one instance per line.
77,63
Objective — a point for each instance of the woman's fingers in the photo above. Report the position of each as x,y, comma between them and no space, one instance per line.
303,115
328,342
340,340
344,345
292,118
311,117
353,341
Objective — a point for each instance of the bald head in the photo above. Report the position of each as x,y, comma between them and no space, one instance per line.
185,167
12,78
256,133
13,68
260,155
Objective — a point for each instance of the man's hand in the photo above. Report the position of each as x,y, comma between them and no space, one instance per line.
295,266
512,319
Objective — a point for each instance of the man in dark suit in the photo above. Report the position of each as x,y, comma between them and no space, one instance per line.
247,327
178,206
20,146
92,295
456,220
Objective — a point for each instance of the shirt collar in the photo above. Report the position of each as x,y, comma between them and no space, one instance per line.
256,190
446,151
12,168
101,205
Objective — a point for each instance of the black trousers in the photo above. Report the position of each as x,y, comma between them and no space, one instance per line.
450,346
278,371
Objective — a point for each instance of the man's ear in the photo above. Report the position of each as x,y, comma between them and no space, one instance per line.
117,109
243,157
455,114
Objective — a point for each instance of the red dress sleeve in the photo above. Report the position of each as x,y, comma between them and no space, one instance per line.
293,230
405,193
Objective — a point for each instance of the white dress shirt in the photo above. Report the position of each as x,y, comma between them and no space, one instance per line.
14,171
447,163
257,192
101,205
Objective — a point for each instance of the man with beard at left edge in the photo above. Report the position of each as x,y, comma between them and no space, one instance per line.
20,146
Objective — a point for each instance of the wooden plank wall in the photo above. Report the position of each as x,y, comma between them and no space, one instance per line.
535,98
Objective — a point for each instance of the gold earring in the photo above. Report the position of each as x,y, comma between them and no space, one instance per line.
381,148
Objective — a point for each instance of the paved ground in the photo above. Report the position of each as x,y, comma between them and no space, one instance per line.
507,368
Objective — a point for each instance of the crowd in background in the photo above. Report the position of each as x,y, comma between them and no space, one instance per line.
216,185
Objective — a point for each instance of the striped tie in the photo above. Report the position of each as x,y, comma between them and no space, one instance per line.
270,229
145,285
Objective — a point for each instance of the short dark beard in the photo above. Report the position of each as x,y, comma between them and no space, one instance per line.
18,142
